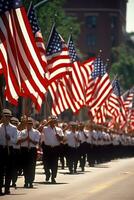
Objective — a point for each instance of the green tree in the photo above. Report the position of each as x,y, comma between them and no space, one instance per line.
52,11
123,65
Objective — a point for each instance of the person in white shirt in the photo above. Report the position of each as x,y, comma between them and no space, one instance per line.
72,141
51,138
83,145
8,137
16,154
29,139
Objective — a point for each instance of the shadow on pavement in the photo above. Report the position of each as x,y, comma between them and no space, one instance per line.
49,183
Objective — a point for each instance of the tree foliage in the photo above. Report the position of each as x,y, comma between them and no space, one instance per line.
52,11
123,65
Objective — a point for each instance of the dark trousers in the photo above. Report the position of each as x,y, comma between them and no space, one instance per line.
72,158
82,154
6,167
50,160
29,163
17,165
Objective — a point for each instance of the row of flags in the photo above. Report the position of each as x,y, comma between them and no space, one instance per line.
31,70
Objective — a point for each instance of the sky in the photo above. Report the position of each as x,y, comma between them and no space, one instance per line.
130,16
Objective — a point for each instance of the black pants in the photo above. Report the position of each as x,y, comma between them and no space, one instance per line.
82,154
29,163
17,165
50,160
72,158
6,167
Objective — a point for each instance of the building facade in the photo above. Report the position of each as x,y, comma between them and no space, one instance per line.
102,23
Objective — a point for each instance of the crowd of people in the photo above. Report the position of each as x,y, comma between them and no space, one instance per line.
73,144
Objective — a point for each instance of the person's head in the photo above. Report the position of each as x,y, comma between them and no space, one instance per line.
73,126
52,120
29,123
14,121
81,126
6,116
36,124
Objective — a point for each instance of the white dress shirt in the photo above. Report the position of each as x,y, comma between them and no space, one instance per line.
71,140
33,134
49,135
10,130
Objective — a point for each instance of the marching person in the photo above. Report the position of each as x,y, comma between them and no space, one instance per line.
16,154
8,137
51,138
72,141
83,145
29,139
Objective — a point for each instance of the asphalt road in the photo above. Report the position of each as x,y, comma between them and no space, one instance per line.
110,181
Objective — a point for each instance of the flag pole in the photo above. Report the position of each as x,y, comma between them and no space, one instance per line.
31,2
40,3
52,29
51,32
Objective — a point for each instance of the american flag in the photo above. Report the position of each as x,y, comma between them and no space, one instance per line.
62,92
128,99
62,98
8,53
76,81
102,86
57,56
19,54
120,101
38,35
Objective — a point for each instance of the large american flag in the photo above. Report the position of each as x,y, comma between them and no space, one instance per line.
19,54
77,80
102,86
38,35
65,91
57,56
116,106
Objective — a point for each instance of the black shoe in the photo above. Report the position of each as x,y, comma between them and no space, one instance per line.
26,185
31,185
82,169
70,171
7,192
14,185
53,180
47,178
1,193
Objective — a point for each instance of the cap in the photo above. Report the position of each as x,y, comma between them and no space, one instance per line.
14,120
53,118
7,112
73,123
81,124
29,120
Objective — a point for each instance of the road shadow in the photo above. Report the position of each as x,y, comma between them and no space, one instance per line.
16,194
101,166
49,183
68,173
33,188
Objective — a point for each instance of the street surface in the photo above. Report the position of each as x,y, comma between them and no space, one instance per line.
109,181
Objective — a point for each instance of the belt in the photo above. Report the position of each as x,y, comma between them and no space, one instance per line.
4,146
28,148
51,146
